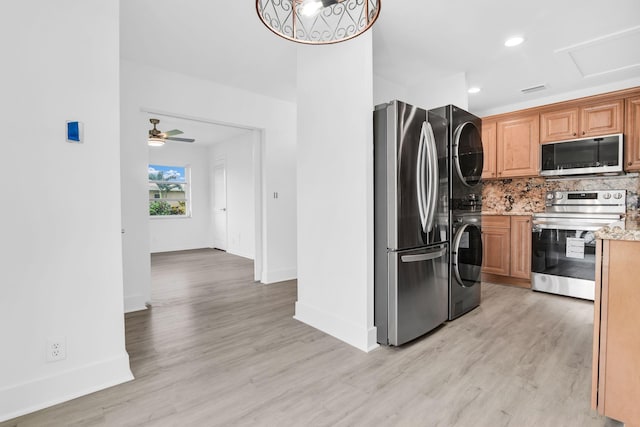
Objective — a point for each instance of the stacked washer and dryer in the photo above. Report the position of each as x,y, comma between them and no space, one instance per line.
465,218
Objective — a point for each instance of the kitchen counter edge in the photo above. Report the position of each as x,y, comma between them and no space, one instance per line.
631,232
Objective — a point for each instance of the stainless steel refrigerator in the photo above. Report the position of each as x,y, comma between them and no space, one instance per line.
411,220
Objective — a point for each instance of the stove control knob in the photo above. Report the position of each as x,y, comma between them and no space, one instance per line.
618,195
550,196
559,195
607,196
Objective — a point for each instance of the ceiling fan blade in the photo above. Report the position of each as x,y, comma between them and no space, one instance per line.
181,139
172,132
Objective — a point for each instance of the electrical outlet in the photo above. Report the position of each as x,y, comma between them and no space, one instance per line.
56,349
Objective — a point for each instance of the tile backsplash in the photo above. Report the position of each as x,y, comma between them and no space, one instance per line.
524,195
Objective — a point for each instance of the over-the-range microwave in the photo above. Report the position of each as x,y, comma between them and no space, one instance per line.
601,154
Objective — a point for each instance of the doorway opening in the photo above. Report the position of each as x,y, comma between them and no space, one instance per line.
225,163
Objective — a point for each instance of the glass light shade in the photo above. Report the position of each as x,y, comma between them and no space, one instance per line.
333,21
514,41
155,142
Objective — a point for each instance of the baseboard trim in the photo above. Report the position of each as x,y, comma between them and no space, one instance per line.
372,339
274,276
241,254
21,399
361,338
506,280
134,303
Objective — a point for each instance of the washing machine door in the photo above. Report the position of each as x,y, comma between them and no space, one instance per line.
468,155
466,259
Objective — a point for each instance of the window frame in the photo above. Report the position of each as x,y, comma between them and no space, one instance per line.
186,185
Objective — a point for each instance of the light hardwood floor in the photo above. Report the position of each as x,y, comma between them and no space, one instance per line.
218,349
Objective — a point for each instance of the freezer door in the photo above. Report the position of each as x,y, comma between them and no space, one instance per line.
418,292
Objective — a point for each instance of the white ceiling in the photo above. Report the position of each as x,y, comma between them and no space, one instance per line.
413,40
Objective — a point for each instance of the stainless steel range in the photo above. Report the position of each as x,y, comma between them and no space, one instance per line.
563,241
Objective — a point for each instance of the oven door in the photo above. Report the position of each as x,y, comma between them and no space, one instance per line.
563,261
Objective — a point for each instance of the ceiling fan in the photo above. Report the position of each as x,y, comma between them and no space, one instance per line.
158,138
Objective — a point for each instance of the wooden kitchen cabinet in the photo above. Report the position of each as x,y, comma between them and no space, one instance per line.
489,147
616,347
496,245
582,121
517,142
632,134
506,249
602,119
559,125
521,247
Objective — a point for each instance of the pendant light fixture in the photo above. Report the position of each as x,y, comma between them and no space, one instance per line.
318,21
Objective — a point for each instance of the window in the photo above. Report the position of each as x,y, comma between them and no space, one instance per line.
168,191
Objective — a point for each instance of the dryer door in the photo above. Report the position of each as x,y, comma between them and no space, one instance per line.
466,259
468,155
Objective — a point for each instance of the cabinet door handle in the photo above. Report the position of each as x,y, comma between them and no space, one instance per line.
629,163
584,133
574,134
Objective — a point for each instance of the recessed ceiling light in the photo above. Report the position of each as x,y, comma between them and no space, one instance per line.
513,41
473,90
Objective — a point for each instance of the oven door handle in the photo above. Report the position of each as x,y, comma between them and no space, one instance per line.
537,227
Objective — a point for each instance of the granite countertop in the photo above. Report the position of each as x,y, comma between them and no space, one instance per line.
631,231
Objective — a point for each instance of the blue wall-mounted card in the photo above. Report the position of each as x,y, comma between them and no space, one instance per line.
75,132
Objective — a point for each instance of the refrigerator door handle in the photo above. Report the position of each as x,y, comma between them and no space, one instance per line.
424,257
434,176
421,178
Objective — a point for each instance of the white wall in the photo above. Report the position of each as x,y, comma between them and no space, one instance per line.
335,191
61,252
437,93
162,91
237,155
428,94
385,90
178,234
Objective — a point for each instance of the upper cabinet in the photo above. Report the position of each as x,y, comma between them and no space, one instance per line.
582,121
632,134
602,119
489,147
517,143
511,141
559,125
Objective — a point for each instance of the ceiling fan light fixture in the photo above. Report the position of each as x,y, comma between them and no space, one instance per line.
318,21
514,41
155,142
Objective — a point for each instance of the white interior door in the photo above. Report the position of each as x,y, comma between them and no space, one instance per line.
220,207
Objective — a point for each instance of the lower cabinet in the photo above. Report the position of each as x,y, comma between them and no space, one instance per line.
521,247
616,346
506,255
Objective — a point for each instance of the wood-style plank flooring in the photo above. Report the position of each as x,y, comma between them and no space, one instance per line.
217,349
